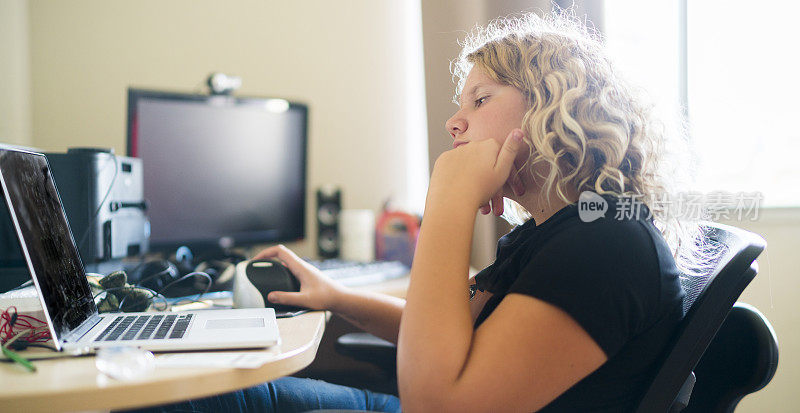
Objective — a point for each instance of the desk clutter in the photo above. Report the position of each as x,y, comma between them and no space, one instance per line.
131,221
149,281
356,235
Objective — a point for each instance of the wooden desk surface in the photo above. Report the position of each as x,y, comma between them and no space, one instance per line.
70,384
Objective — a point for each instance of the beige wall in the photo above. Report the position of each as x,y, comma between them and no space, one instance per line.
444,23
346,60
15,108
776,292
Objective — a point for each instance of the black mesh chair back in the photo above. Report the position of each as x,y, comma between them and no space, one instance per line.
742,359
708,301
695,284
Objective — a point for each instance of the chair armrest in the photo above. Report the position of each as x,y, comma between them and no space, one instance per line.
366,347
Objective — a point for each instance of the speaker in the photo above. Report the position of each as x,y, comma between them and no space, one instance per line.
329,204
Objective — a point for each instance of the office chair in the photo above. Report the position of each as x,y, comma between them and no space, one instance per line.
366,347
742,359
708,300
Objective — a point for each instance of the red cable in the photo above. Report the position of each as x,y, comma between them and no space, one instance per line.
10,319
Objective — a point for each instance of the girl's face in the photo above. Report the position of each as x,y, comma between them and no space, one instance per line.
487,110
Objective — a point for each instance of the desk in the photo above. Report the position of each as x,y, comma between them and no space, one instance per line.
70,384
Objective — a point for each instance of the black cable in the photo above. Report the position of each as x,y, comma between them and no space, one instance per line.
22,345
105,197
151,276
191,274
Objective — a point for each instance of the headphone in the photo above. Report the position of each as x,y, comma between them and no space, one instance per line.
159,274
152,278
155,274
221,271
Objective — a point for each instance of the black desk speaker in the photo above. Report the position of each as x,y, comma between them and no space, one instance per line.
329,203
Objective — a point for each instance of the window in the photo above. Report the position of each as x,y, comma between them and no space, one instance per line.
741,88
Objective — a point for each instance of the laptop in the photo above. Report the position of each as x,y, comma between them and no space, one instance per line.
57,271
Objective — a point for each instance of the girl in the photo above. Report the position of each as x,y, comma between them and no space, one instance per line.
576,309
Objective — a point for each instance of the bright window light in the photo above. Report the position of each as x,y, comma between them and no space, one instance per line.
642,39
741,88
742,96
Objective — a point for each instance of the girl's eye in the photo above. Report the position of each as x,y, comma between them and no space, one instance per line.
480,101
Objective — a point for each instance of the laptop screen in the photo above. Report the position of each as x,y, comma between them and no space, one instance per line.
54,261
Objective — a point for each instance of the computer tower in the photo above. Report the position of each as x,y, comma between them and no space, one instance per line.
103,198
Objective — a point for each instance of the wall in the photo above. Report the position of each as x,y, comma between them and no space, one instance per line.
775,291
444,23
346,60
15,108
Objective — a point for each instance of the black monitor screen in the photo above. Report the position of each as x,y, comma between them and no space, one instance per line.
219,169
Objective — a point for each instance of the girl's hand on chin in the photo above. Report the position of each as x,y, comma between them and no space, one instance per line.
514,183
474,172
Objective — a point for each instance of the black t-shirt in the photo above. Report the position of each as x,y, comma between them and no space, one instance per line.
615,276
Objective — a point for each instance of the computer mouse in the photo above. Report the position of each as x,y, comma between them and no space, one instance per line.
255,279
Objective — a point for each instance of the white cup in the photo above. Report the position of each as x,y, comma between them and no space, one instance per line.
357,232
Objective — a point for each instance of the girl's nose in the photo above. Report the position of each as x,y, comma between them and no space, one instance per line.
455,125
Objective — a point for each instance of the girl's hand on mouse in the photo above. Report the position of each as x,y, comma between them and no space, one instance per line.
475,172
317,291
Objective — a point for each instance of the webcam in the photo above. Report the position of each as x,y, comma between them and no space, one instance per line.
222,84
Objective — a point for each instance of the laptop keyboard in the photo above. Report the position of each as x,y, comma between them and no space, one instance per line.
142,327
163,329
137,326
150,327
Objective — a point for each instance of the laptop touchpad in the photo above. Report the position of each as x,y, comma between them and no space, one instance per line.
223,323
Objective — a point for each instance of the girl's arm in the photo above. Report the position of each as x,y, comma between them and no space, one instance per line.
524,355
378,314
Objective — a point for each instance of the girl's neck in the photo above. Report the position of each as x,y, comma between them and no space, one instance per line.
539,208
542,207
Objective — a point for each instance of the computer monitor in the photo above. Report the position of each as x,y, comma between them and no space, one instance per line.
219,171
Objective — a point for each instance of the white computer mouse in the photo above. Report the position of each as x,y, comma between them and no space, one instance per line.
255,279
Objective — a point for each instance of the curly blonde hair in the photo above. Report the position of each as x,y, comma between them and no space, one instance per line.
586,127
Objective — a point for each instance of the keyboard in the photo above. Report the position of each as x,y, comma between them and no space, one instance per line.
354,274
142,327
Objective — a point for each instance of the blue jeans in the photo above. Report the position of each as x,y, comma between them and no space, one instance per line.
287,394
